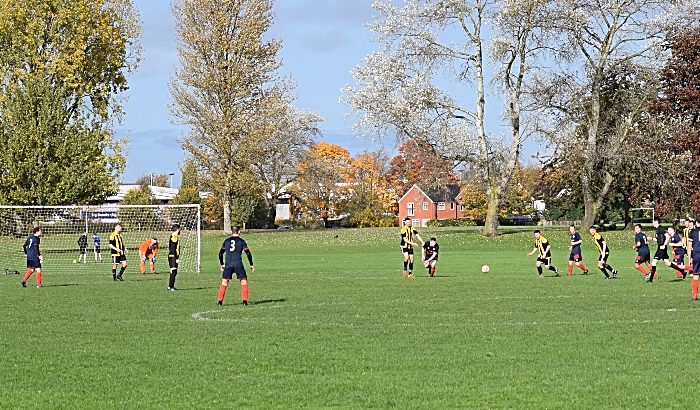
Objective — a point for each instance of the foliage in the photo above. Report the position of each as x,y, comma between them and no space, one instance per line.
159,180
190,175
63,67
224,90
441,223
187,195
135,219
417,162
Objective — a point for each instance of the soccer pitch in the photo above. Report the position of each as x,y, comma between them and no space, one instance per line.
333,324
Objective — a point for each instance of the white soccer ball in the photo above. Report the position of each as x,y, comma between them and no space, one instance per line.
485,269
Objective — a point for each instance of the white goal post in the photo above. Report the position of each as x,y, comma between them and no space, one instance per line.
62,226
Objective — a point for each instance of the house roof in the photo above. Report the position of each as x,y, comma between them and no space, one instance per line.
447,193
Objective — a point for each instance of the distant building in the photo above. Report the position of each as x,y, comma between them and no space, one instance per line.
161,194
423,205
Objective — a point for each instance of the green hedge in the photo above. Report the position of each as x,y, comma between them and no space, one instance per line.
440,223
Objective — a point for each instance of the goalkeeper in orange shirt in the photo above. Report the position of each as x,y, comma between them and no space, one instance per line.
147,252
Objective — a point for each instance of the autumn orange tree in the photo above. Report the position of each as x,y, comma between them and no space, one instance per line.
418,163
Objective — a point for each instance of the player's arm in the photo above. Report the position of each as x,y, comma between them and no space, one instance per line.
250,258
533,251
172,249
689,248
420,239
603,247
667,238
637,245
24,248
221,257
113,245
677,244
38,252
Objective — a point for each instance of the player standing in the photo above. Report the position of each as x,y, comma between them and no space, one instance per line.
575,255
604,253
641,245
430,255
173,255
545,254
119,251
34,257
408,233
662,239
234,247
693,248
96,247
147,252
82,245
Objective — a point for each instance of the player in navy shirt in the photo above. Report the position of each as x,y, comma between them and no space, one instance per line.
641,245
693,249
676,243
430,255
575,255
34,258
662,239
233,249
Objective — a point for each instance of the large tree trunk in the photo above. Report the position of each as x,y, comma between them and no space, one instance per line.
492,213
271,211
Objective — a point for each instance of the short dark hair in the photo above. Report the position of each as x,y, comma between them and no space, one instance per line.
176,227
593,227
537,231
235,230
433,239
638,226
406,219
572,226
37,229
657,219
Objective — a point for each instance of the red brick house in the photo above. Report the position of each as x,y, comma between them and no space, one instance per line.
422,205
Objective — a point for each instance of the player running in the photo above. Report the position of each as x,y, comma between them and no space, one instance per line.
693,249
34,257
575,255
602,247
233,248
545,254
641,245
430,255
662,239
676,243
408,233
147,252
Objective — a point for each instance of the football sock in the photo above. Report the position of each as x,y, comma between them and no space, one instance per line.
539,270
571,269
695,285
171,283
143,268
27,275
676,268
410,267
679,274
583,268
652,272
604,272
405,265
114,273
641,269
608,267
222,292
121,271
552,268
244,292
38,278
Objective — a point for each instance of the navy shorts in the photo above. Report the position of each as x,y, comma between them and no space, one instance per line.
696,264
643,257
238,270
678,258
33,264
575,257
428,257
97,249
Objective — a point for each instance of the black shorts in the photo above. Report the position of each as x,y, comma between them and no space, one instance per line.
33,264
83,251
661,254
172,262
239,270
118,259
546,261
603,257
643,257
97,249
575,257
407,250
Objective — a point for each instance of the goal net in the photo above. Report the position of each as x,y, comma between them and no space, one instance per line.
62,227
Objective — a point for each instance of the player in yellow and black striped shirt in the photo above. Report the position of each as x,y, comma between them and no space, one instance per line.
119,251
408,235
174,255
602,247
544,254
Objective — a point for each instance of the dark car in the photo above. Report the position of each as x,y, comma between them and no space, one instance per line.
518,220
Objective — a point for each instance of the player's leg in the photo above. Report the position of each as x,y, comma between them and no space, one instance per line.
404,252
548,264
122,269
244,291
30,270
410,264
538,265
222,289
580,266
431,268
152,263
173,273
601,266
38,277
142,265
695,285
677,265
571,265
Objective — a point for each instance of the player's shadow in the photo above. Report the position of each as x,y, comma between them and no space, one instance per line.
260,302
60,284
677,280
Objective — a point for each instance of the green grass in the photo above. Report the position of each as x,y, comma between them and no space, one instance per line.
333,324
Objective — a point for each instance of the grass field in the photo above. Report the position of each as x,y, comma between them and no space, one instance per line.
333,324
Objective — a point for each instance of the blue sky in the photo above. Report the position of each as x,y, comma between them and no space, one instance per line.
323,40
